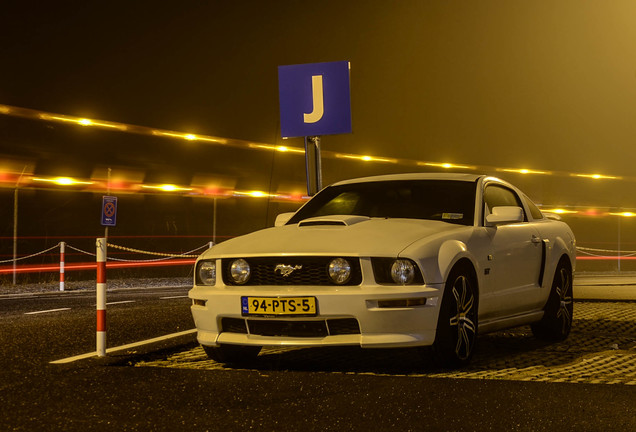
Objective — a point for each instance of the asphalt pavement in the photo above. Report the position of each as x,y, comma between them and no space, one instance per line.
145,388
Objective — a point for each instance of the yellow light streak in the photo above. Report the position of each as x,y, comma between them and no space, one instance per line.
257,194
34,114
365,158
282,149
83,121
447,165
254,194
523,171
167,188
171,134
597,176
62,181
559,211
624,214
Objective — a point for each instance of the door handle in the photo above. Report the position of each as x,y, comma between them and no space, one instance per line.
536,239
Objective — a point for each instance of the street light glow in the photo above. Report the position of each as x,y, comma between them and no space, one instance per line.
523,171
624,214
34,114
597,176
62,181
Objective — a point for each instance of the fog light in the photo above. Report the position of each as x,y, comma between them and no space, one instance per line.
339,271
240,271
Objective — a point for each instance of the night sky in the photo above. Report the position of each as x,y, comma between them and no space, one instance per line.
544,85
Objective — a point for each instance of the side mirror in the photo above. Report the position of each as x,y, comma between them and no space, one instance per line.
505,215
283,218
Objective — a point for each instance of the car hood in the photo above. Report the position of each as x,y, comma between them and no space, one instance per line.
342,235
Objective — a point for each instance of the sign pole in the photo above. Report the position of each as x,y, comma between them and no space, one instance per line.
107,193
315,100
101,297
62,253
313,164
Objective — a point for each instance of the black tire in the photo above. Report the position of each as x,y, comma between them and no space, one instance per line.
232,354
456,333
559,309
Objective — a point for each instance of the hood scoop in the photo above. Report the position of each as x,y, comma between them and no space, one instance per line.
335,220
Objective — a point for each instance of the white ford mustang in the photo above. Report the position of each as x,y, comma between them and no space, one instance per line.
422,260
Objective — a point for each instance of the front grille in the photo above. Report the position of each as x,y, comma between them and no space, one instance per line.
343,326
289,328
233,325
308,271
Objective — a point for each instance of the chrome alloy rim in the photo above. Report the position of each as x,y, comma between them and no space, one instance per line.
464,319
564,291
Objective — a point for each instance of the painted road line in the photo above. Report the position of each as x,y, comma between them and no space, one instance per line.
125,347
173,297
118,302
47,311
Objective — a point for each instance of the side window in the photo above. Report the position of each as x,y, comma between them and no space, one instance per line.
496,196
534,210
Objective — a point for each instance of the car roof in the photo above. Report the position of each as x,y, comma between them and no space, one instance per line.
414,176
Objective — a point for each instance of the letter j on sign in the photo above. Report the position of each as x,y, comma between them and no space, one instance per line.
315,99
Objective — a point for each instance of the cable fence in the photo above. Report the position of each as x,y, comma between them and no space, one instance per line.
49,261
189,256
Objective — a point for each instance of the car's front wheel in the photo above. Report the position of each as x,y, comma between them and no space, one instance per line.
559,309
232,354
456,333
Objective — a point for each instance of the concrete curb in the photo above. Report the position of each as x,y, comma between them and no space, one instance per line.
605,287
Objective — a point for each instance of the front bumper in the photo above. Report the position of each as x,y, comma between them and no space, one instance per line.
380,326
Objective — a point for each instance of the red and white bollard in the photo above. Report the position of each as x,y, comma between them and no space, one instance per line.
62,251
101,297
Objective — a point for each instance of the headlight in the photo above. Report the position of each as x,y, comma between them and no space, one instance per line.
402,272
207,273
240,271
339,271
396,271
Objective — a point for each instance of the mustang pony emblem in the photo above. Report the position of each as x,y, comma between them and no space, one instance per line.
286,269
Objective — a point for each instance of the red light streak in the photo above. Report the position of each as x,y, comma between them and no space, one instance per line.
93,266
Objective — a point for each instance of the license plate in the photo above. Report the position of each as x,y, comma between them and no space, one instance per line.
278,305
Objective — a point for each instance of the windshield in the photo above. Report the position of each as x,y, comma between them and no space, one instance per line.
445,200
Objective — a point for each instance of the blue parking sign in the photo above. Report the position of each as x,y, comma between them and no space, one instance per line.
315,99
109,211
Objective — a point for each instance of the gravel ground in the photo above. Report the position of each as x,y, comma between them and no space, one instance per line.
44,287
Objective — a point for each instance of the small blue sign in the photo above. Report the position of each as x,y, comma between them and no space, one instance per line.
109,211
315,99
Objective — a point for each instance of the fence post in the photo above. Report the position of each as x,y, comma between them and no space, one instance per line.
62,250
101,297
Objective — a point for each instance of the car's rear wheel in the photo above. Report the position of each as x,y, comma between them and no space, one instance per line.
456,333
232,354
559,309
